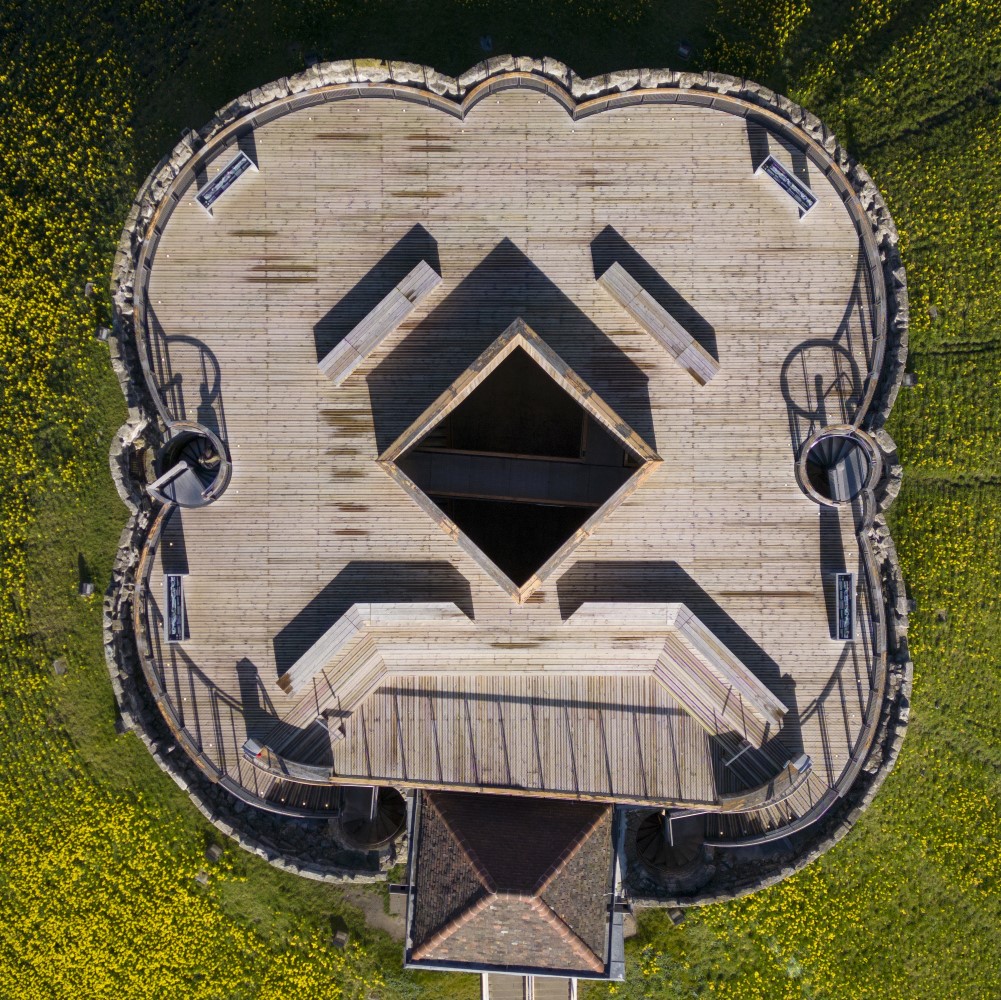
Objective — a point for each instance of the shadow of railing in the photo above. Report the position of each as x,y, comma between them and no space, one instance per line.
832,562
821,385
872,679
162,665
856,331
171,358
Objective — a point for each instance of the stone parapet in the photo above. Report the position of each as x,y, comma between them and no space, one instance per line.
256,830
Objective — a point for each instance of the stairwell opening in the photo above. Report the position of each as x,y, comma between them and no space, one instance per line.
838,467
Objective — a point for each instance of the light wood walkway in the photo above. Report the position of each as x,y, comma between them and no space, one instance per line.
243,304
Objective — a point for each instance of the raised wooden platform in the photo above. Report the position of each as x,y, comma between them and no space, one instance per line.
712,684
364,340
358,619
691,356
243,304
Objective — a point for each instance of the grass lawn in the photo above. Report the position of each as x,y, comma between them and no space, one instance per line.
98,849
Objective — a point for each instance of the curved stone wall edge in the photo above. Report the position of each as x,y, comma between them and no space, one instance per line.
413,75
144,412
138,716
882,758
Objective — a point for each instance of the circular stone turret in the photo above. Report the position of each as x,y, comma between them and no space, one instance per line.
670,847
838,467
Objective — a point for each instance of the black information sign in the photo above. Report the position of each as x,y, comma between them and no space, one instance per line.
174,618
846,606
223,180
789,183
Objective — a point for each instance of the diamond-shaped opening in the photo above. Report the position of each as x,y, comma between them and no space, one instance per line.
519,460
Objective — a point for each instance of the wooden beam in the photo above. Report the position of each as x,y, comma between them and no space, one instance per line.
369,334
712,684
356,620
659,323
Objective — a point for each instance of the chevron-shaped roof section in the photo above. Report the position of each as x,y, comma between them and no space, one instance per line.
708,680
356,622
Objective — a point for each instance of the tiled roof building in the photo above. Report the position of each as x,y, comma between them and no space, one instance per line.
512,883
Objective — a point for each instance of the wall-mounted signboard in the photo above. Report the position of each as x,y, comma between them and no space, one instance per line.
845,587
173,618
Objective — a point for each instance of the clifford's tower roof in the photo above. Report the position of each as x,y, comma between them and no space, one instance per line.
504,882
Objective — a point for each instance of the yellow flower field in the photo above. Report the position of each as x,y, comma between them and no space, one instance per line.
98,849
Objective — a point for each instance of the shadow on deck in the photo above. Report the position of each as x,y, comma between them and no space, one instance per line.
360,582
504,286
646,582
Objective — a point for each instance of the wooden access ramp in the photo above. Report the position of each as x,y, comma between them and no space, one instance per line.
505,986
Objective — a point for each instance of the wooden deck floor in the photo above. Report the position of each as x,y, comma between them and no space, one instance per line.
244,303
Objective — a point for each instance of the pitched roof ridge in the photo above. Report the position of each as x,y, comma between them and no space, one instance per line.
444,933
567,934
479,869
564,859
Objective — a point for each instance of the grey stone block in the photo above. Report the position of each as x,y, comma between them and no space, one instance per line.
438,83
472,76
725,83
299,82
557,70
500,64
406,72
789,109
650,79
624,80
332,73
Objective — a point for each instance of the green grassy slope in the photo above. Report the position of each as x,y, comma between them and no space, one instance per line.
98,849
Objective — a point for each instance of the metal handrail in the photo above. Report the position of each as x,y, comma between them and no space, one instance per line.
737,106
577,110
141,631
873,710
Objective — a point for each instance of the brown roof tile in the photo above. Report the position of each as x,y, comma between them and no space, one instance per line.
578,882
447,883
529,885
516,840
